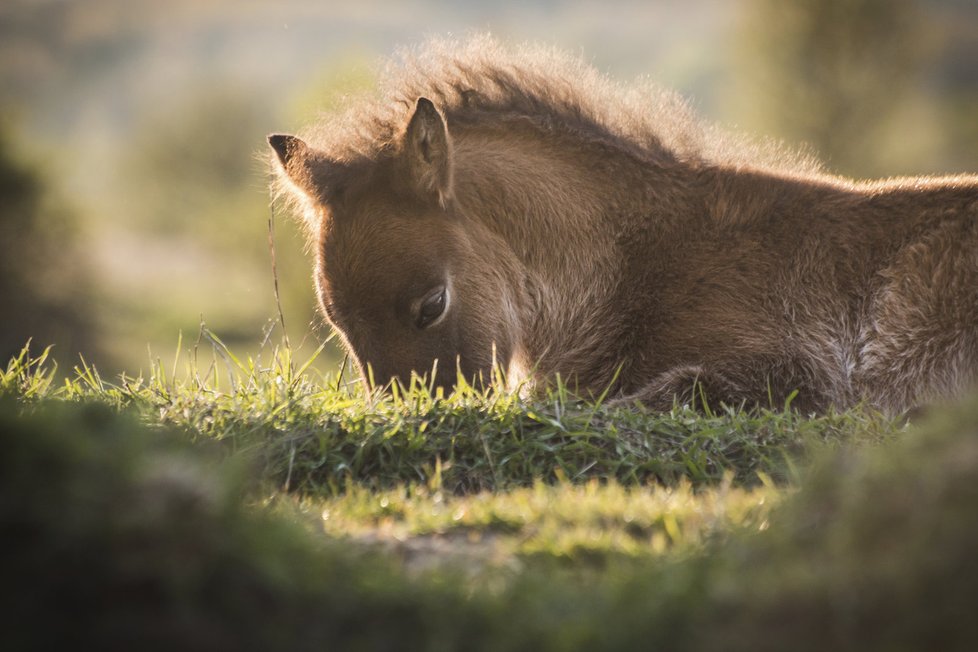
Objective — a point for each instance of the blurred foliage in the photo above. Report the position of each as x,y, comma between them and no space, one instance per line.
44,281
188,162
179,233
329,91
196,176
196,172
855,80
52,49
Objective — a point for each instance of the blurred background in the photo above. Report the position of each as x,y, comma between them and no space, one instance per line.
134,201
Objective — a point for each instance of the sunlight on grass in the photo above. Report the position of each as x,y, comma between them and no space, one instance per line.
587,523
319,435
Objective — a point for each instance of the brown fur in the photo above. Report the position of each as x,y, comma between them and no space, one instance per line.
602,234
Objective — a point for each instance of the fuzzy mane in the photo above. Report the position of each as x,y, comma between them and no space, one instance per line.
478,78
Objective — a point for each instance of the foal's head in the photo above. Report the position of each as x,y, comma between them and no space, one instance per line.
401,272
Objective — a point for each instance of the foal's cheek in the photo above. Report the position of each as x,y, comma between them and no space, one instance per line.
476,354
450,346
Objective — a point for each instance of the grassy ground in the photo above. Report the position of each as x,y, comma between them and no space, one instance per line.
270,509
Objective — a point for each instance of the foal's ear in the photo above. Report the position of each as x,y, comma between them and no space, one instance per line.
428,152
300,164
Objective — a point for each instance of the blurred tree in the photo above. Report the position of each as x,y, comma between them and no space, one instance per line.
44,291
839,75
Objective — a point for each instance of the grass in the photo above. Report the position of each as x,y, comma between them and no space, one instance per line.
573,526
320,435
558,480
268,508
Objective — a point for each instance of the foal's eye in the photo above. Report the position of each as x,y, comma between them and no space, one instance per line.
432,306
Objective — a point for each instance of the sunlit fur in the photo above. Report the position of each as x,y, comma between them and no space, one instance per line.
602,233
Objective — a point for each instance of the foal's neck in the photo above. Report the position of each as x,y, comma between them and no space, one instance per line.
541,199
559,211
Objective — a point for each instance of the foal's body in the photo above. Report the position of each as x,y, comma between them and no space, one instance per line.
754,283
571,246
